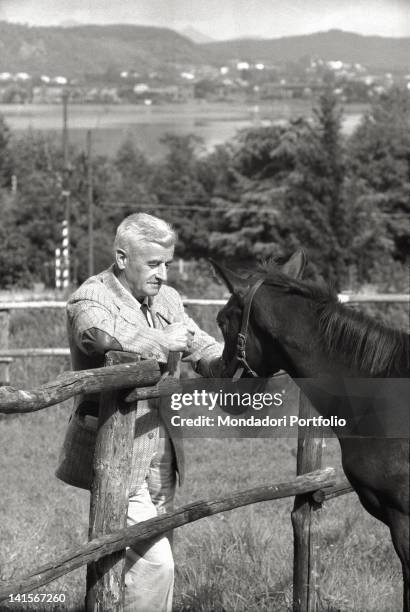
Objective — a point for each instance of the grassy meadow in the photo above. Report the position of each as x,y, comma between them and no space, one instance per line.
239,561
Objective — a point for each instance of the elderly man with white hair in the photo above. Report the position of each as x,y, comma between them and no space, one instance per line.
129,307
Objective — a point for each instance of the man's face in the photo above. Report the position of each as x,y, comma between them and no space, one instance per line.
144,267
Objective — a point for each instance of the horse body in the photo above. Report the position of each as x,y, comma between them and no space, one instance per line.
301,328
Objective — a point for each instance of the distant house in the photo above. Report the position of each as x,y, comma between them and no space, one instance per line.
47,94
182,92
141,88
285,90
109,95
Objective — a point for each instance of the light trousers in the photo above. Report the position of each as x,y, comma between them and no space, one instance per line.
149,568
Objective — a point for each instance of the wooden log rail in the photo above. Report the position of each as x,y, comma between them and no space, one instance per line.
92,551
69,384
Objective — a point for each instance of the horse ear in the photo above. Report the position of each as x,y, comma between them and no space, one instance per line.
235,283
295,265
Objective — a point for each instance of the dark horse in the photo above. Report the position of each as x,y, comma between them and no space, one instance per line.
301,327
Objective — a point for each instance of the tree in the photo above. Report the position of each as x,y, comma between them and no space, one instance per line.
5,160
35,205
380,159
290,188
14,247
289,192
250,199
134,172
180,186
315,198
112,200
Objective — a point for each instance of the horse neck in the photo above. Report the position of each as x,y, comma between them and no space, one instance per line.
318,378
302,343
332,340
312,362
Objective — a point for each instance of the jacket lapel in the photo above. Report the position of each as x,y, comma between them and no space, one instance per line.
160,308
127,305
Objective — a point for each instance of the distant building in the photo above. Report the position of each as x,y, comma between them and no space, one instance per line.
22,76
60,80
47,94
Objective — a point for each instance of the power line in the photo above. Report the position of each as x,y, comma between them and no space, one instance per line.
253,209
192,207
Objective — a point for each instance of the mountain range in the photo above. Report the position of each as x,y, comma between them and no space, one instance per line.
374,52
75,51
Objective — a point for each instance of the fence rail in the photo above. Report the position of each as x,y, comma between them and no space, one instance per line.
11,354
69,384
319,481
8,354
352,298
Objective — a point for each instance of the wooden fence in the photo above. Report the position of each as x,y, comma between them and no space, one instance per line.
104,554
108,510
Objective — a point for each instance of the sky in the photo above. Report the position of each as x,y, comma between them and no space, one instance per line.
223,19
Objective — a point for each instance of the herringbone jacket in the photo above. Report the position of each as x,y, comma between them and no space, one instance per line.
103,315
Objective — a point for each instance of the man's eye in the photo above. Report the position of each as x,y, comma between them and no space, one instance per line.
157,264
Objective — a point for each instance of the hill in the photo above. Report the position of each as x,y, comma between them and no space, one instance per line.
195,35
374,52
93,49
90,49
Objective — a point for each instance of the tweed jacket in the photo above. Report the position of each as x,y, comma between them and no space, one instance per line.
103,315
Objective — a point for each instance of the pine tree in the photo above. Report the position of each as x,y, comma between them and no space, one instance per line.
314,201
379,158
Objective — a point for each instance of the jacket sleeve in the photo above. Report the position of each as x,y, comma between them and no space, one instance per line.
97,329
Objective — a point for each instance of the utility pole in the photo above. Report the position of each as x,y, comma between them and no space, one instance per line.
66,196
90,205
65,127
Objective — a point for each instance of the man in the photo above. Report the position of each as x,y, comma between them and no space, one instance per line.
128,307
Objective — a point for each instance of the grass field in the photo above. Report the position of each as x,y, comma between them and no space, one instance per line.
239,561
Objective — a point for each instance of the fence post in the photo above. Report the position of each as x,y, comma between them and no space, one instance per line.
4,345
109,496
305,518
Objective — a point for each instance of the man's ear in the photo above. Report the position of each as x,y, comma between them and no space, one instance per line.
295,265
235,283
120,258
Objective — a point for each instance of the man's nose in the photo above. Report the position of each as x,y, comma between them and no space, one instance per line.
162,272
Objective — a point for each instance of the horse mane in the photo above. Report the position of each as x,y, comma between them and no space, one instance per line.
370,347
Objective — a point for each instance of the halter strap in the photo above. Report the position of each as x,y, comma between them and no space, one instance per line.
243,334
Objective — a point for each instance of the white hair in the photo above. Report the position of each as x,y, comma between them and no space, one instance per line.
143,229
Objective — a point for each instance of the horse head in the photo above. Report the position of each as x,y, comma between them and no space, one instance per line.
243,322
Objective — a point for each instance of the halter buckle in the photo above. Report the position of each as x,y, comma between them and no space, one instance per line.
240,346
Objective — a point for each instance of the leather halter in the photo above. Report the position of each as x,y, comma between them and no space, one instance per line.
243,334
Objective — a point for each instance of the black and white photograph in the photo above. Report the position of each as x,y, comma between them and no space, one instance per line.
204,306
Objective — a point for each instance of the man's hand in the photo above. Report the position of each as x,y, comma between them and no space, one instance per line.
177,337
